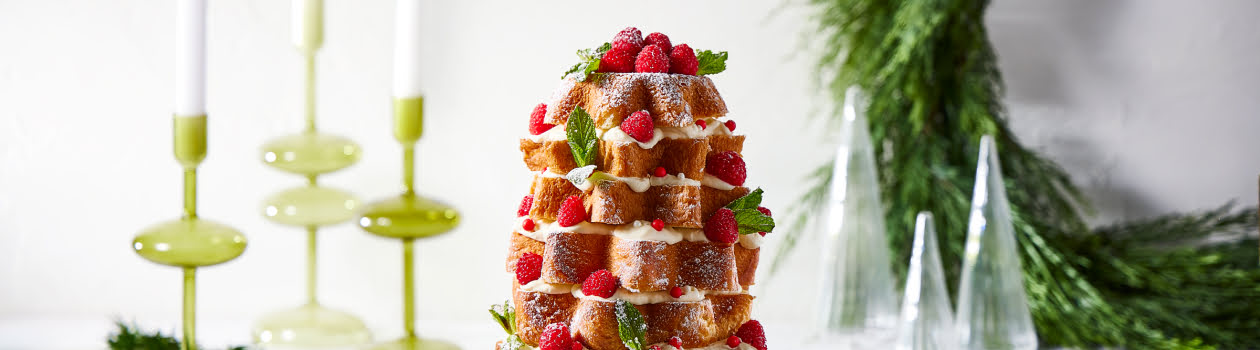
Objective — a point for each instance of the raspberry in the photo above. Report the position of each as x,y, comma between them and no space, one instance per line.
630,37
659,172
528,268
676,292
577,345
702,124
528,225
654,347
572,212
555,337
651,60
763,234
658,224
730,125
600,283
526,203
722,227
752,333
659,40
620,59
732,342
675,342
764,210
682,60
727,166
536,125
639,125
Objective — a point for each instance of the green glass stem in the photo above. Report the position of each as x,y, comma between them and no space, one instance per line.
310,266
409,287
409,169
190,309
310,90
190,193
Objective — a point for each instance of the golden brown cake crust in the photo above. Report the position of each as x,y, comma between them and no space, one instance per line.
615,203
696,323
640,266
627,159
672,99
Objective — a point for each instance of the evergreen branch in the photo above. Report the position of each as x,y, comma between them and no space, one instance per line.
131,337
935,89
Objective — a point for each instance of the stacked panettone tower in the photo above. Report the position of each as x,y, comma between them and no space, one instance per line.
637,232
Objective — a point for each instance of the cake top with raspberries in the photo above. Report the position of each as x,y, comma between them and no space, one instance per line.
637,232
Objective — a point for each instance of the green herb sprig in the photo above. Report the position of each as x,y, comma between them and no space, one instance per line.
588,63
580,133
749,219
630,325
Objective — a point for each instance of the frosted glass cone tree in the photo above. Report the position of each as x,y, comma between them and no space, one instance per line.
992,306
927,322
858,304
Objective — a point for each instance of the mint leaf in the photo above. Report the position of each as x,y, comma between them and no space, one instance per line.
588,63
710,62
505,315
748,201
753,221
580,131
512,343
630,325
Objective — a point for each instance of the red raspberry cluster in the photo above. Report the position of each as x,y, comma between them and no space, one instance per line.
631,53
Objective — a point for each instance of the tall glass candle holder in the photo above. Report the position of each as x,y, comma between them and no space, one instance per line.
409,217
309,154
189,242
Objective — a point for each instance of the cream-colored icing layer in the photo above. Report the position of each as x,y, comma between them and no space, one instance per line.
720,345
637,184
713,127
714,182
655,297
542,228
643,231
751,240
547,288
636,231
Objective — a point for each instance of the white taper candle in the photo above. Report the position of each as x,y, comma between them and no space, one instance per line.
190,58
407,49
308,24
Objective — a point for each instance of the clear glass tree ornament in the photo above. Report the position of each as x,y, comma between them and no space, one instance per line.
857,306
992,305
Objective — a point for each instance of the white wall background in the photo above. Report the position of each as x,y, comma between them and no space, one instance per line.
1151,104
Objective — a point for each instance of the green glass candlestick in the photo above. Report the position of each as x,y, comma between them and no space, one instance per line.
310,154
189,242
408,217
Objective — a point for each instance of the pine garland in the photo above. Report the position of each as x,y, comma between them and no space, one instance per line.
934,89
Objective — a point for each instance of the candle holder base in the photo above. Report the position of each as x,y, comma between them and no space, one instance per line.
311,326
408,216
414,343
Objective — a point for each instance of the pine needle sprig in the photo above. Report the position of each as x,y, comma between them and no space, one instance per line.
131,337
934,88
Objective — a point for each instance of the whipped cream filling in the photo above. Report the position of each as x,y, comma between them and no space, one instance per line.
751,240
719,345
542,228
637,184
712,127
639,230
547,288
714,182
655,297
